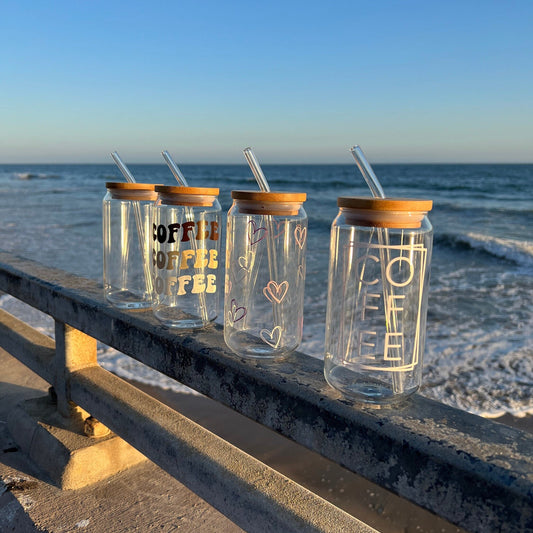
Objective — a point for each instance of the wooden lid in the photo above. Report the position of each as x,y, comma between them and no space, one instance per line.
173,189
384,212
120,190
274,197
189,196
269,203
126,185
385,204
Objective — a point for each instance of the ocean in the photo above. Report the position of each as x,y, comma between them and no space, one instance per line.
479,349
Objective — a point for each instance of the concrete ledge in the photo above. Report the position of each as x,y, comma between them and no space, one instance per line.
142,498
59,448
248,492
29,346
476,473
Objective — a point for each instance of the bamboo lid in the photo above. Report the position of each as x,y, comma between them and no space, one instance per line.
126,185
190,196
269,203
173,189
271,197
385,204
121,190
384,212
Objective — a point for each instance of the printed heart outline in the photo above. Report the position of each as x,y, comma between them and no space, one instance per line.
233,312
246,261
300,234
253,230
267,336
275,292
280,224
238,275
301,271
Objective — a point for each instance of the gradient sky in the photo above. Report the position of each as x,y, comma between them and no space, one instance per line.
410,81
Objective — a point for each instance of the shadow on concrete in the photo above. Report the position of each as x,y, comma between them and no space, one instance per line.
13,516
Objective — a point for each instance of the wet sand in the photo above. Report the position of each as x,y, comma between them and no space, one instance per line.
378,507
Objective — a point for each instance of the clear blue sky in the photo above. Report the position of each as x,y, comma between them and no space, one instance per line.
442,81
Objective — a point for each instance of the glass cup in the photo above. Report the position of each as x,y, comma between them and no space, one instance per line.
185,256
126,226
380,256
265,273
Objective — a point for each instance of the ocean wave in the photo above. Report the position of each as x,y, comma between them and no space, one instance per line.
518,252
494,205
489,385
35,175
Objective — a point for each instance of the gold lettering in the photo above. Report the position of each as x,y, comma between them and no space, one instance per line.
182,281
185,256
211,284
199,284
201,259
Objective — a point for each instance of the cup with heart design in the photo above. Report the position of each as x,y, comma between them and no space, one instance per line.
265,273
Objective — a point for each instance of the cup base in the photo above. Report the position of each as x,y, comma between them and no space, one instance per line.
125,299
366,389
177,319
246,345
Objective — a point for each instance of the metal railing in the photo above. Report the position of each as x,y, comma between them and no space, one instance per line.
471,471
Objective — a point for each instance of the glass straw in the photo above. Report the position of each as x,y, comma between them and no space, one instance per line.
256,169
265,187
182,181
122,167
138,221
383,237
178,174
367,172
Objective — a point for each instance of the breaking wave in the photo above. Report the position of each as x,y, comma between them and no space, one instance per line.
518,252
35,175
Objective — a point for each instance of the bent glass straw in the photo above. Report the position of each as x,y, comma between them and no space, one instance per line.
256,169
383,236
122,167
265,187
367,172
138,220
180,178
178,174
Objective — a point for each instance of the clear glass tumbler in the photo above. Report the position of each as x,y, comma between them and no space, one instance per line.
126,226
265,273
184,256
379,268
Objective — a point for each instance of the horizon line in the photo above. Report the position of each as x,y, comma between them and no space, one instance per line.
285,163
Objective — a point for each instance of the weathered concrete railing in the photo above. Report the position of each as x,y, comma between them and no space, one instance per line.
471,471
